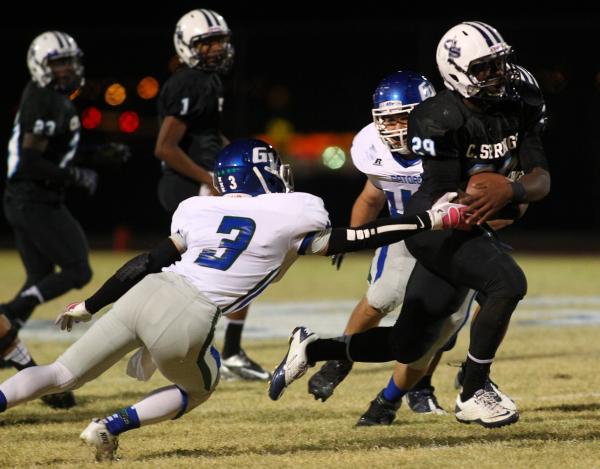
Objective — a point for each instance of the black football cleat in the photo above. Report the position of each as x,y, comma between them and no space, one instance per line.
380,412
61,400
323,382
423,401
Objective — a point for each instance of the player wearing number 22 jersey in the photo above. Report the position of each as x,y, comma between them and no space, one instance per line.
222,253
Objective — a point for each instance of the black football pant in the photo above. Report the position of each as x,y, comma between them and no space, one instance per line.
174,189
450,262
47,237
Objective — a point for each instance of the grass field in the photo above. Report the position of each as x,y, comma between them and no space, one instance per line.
552,372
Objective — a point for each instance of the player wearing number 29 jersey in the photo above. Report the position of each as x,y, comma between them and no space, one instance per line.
222,253
380,151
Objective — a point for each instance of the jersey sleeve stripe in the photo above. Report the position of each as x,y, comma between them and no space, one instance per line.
306,242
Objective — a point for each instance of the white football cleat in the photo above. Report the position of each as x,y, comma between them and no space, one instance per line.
240,366
294,364
484,408
97,435
502,398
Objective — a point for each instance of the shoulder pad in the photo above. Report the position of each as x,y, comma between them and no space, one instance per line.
444,111
528,88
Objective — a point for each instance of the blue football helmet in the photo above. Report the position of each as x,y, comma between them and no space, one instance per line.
394,98
251,167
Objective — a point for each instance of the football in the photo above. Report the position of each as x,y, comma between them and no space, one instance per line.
478,181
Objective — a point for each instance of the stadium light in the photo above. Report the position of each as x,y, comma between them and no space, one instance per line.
91,117
129,122
115,94
147,88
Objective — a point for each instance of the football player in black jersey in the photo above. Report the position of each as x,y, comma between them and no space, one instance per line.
489,119
189,109
43,143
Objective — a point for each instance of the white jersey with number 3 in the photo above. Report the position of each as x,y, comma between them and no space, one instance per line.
373,158
237,245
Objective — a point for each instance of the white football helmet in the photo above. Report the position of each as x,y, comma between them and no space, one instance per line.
467,47
196,26
49,46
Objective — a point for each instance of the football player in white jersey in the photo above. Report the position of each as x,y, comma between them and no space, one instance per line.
222,253
380,151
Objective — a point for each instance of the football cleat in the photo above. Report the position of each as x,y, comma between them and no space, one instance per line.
97,435
61,400
380,412
294,364
483,408
489,385
240,366
323,382
423,401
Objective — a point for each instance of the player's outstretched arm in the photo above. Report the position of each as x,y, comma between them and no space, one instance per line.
443,215
163,255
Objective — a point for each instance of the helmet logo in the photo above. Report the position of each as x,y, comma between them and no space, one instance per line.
426,90
452,48
262,155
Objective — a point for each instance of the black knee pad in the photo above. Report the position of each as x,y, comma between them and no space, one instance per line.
509,280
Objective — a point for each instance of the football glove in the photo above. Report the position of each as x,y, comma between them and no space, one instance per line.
337,259
74,313
84,178
444,214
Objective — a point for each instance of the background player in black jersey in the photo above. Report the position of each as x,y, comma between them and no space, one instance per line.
189,109
43,143
488,120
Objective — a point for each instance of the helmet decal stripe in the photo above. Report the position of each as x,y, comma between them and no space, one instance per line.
215,17
486,36
58,38
490,30
207,17
64,38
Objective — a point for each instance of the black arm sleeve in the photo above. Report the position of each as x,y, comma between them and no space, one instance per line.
380,232
34,166
163,255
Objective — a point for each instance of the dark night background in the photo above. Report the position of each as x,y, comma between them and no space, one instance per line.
316,68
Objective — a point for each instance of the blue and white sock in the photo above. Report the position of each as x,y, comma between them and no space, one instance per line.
122,420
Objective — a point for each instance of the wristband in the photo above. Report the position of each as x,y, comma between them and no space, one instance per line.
519,192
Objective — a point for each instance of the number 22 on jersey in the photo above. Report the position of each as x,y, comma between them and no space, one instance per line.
241,231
